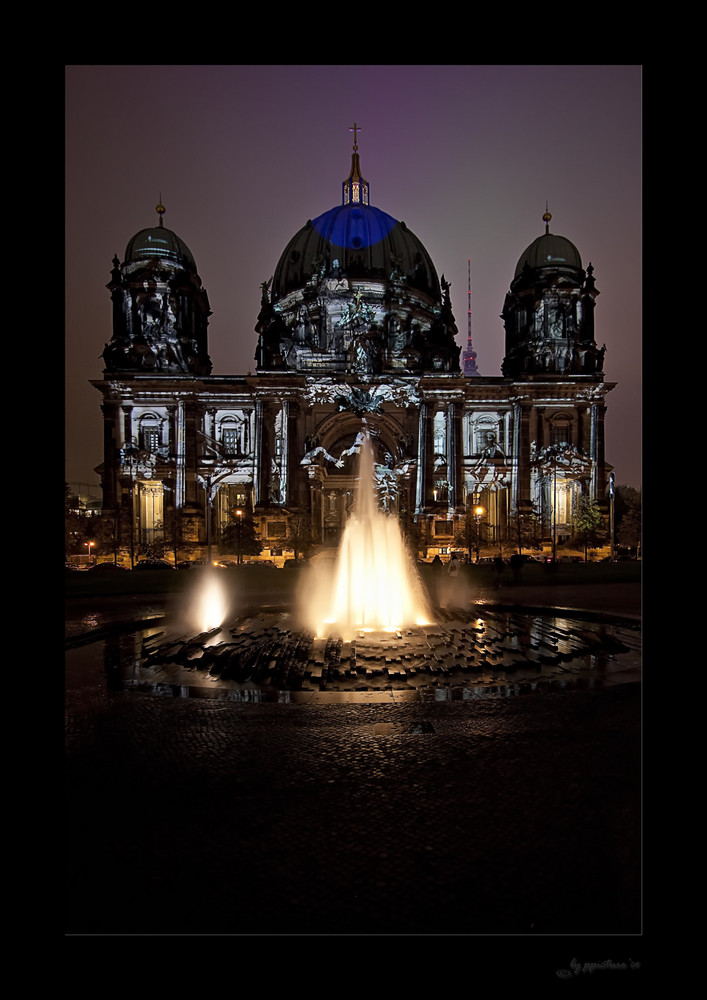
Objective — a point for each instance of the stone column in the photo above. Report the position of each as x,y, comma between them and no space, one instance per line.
421,489
516,452
179,490
284,452
523,462
192,491
598,411
452,471
127,425
258,450
111,445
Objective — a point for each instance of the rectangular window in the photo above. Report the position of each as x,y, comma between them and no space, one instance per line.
560,432
150,439
276,529
230,440
444,528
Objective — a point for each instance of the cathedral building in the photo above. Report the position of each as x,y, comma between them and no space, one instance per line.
355,333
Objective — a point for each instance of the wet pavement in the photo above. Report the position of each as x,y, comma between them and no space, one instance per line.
498,816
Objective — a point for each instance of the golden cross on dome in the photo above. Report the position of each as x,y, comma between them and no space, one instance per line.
355,129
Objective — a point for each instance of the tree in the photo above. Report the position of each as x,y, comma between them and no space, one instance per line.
79,527
299,533
587,522
173,540
106,533
628,517
468,536
525,527
114,532
76,533
465,537
239,536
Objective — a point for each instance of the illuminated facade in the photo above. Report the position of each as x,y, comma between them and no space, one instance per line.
354,326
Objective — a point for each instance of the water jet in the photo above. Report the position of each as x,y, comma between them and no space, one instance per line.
375,585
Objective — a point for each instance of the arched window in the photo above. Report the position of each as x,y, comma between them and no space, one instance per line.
149,433
440,434
231,436
561,430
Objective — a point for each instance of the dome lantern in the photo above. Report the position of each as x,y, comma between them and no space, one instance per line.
355,188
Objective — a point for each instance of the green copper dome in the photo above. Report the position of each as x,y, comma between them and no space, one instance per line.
159,243
548,250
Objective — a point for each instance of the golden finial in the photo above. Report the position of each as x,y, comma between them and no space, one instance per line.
546,220
160,209
355,129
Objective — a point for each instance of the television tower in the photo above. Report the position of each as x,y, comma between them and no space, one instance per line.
469,356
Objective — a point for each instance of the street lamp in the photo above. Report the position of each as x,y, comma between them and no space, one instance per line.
88,546
554,511
131,457
209,515
479,512
612,516
239,532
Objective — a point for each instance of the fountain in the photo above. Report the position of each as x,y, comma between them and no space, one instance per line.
364,629
375,585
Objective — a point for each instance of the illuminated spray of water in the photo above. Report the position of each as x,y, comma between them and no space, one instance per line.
210,605
375,584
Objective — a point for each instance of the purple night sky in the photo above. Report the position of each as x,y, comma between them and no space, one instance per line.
243,156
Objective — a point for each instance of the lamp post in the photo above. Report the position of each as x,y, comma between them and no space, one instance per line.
479,512
239,532
209,508
131,456
554,510
612,515
88,546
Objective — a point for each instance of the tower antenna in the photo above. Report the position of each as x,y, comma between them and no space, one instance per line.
469,358
468,300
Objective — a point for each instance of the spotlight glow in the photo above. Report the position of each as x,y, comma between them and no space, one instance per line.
211,606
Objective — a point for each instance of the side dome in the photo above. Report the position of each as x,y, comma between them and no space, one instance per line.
549,250
160,309
548,313
161,244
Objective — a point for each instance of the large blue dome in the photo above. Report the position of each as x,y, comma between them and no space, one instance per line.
355,291
366,242
354,226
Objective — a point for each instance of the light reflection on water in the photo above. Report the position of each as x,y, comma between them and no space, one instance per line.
118,663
